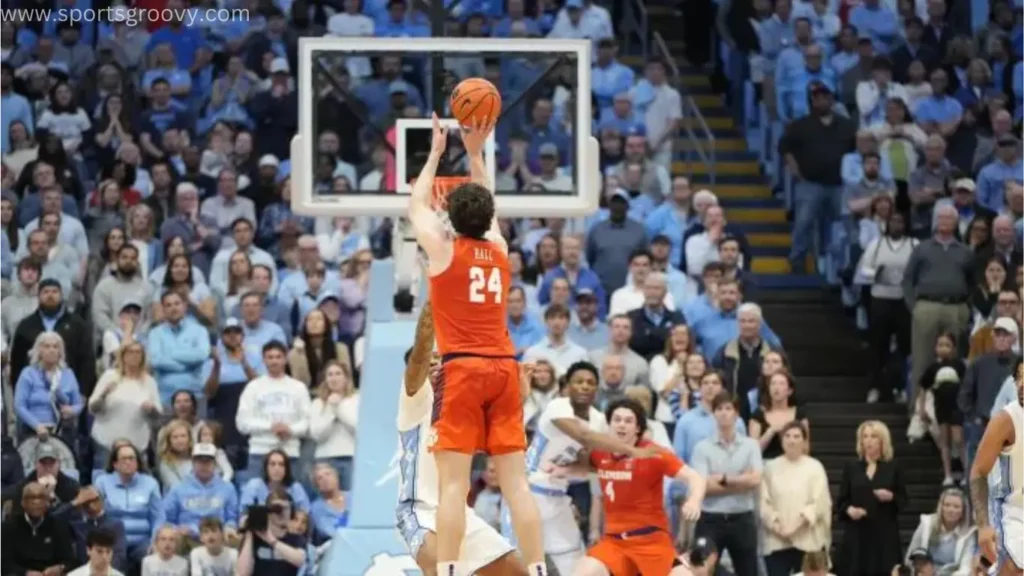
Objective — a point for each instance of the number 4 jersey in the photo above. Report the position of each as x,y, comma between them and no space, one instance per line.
469,298
632,488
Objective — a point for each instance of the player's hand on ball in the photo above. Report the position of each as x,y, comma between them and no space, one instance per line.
475,137
439,141
987,543
690,511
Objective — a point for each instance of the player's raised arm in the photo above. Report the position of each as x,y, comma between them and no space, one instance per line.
580,432
474,139
998,433
426,225
418,367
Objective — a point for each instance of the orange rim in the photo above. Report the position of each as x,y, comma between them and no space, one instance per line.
442,186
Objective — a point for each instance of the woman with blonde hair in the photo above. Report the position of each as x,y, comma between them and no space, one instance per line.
46,395
334,418
947,534
796,506
141,226
174,453
668,370
871,495
125,403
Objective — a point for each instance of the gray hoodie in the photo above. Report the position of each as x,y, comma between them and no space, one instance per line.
111,294
20,304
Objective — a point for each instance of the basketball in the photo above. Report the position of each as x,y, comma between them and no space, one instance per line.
475,100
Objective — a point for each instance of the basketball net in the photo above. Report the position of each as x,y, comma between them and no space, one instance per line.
409,264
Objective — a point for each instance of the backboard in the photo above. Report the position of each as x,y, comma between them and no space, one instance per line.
364,123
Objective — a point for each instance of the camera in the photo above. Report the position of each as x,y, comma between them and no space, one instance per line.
257,518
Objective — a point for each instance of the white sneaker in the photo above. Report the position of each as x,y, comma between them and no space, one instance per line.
872,396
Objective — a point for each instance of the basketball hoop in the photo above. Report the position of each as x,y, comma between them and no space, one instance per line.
443,185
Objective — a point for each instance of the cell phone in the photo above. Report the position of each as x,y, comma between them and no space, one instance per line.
257,518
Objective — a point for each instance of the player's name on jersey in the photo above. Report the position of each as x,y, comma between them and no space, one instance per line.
483,254
615,474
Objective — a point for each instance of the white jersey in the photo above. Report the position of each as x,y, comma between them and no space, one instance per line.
419,473
1011,461
552,446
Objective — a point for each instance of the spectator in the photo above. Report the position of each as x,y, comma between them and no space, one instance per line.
983,299
220,269
133,497
883,264
330,511
714,330
668,372
927,184
544,388
523,327
104,262
936,284
985,153
315,348
984,377
656,431
555,347
62,489
611,242
175,454
36,541
232,365
258,331
47,397
199,232
947,536
740,358
214,556
141,226
106,210
653,322
334,418
587,329
1007,165
127,284
940,113
776,409
572,270
1007,305
671,219
177,349
871,495
912,49
631,296
613,373
260,282
210,432
273,411
100,546
796,507
58,264
91,517
813,148
899,141
227,207
175,246
732,465
873,95
200,494
125,404
965,202
943,379
198,299
1005,243
24,298
282,553
164,561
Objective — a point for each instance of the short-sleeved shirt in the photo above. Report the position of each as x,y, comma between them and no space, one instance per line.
774,448
269,563
632,488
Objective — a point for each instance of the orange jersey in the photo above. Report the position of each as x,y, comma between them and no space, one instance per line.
470,300
633,489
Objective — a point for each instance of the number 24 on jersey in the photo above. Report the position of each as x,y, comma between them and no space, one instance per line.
484,282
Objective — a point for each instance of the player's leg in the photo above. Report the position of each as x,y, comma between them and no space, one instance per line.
426,558
458,425
506,443
486,553
416,526
605,558
652,554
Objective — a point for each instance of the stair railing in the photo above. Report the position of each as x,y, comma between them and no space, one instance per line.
701,141
636,25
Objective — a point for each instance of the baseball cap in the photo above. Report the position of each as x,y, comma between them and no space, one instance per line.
279,66
49,283
398,87
964,184
584,293
549,149
1006,325
204,450
131,304
661,239
269,160
819,87
46,450
620,194
232,324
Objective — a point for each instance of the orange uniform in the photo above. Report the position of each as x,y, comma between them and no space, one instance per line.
636,536
476,399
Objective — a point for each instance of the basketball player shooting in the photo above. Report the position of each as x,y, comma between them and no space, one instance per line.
477,403
1003,440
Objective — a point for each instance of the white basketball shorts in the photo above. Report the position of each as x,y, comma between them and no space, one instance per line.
1011,533
563,542
481,545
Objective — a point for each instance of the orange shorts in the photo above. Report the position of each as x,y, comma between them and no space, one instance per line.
477,406
650,554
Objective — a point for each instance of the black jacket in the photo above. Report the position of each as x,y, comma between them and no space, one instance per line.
28,548
65,491
649,339
78,347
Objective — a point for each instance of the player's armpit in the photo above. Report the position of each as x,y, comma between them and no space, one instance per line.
418,368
